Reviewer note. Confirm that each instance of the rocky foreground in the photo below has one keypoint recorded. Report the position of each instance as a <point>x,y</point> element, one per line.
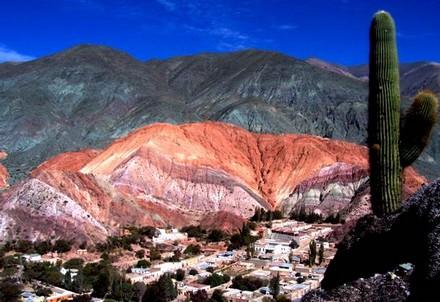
<point>164,175</point>
<point>379,245</point>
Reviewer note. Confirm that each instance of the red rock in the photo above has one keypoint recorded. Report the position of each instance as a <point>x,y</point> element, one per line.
<point>209,173</point>
<point>67,162</point>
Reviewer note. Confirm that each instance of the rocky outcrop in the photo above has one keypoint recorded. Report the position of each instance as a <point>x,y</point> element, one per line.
<point>215,174</point>
<point>379,288</point>
<point>4,175</point>
<point>339,188</point>
<point>378,245</point>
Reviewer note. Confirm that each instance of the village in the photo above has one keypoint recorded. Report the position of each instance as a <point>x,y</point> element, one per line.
<point>285,258</point>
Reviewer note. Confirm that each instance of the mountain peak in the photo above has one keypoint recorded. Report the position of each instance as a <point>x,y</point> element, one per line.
<point>92,53</point>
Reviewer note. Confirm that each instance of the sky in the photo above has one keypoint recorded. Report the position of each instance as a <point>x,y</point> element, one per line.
<point>332,30</point>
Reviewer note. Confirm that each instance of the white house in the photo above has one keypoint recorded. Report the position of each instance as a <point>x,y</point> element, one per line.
<point>73,272</point>
<point>32,257</point>
<point>169,235</point>
<point>140,270</point>
<point>168,267</point>
<point>272,247</point>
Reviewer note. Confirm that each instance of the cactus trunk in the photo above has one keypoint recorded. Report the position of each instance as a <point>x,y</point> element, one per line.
<point>384,116</point>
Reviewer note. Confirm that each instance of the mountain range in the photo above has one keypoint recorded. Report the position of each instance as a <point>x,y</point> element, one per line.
<point>87,96</point>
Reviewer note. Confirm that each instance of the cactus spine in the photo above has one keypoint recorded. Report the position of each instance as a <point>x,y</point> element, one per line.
<point>392,147</point>
<point>384,116</point>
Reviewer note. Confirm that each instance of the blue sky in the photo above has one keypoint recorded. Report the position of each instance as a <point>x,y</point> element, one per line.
<point>333,30</point>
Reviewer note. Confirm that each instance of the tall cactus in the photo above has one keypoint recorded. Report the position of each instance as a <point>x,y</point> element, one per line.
<point>392,147</point>
<point>384,116</point>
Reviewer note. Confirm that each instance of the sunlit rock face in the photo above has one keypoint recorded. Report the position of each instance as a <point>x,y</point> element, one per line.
<point>213,174</point>
<point>328,191</point>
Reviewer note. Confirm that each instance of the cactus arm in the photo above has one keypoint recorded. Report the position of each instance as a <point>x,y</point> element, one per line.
<point>416,127</point>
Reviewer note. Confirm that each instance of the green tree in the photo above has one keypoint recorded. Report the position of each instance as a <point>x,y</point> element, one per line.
<point>217,279</point>
<point>10,290</point>
<point>199,296</point>
<point>43,247</point>
<point>293,244</point>
<point>82,298</point>
<point>321,253</point>
<point>193,272</point>
<point>101,286</point>
<point>161,291</point>
<point>143,263</point>
<point>74,263</point>
<point>193,249</point>
<point>155,254</point>
<point>68,280</point>
<point>180,274</point>
<point>215,235</point>
<point>62,246</point>
<point>248,283</point>
<point>217,296</point>
<point>312,252</point>
<point>274,285</point>
<point>43,291</point>
<point>140,254</point>
<point>282,298</point>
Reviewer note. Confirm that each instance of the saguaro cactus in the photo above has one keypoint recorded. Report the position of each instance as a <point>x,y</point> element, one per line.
<point>384,116</point>
<point>392,147</point>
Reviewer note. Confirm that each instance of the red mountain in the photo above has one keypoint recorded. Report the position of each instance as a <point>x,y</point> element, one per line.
<point>188,174</point>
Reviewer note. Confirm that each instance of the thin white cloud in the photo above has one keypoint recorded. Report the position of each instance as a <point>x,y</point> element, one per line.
<point>225,46</point>
<point>168,4</point>
<point>229,39</point>
<point>10,55</point>
<point>285,27</point>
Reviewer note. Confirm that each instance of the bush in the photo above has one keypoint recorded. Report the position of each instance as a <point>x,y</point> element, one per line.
<point>43,291</point>
<point>194,231</point>
<point>248,283</point>
<point>193,249</point>
<point>216,279</point>
<point>9,290</point>
<point>155,254</point>
<point>210,269</point>
<point>74,263</point>
<point>143,263</point>
<point>62,246</point>
<point>161,291</point>
<point>43,247</point>
<point>82,298</point>
<point>193,272</point>
<point>293,244</point>
<point>24,246</point>
<point>216,236</point>
<point>140,254</point>
<point>217,296</point>
<point>199,296</point>
<point>180,274</point>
